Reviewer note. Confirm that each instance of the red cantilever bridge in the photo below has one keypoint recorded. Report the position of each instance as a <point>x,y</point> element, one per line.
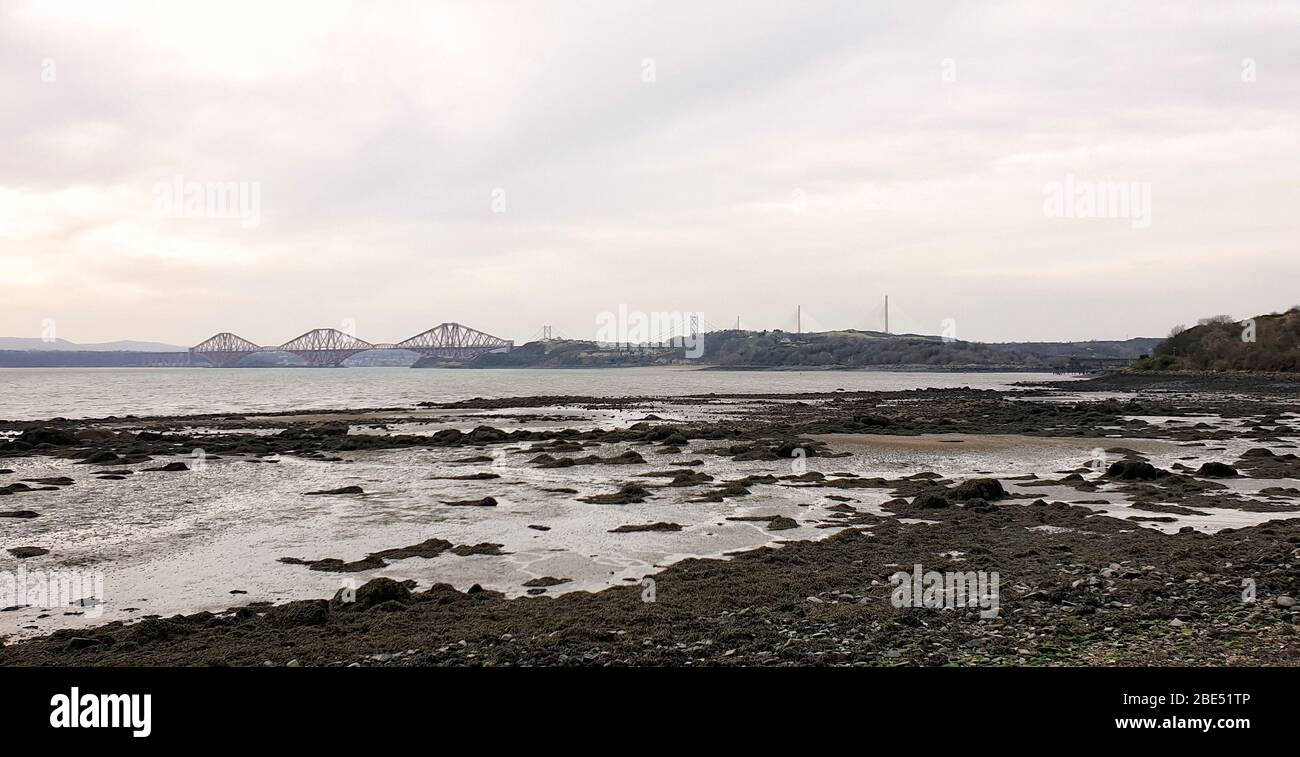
<point>330,347</point>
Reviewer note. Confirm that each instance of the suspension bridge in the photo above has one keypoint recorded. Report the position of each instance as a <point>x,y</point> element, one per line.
<point>328,348</point>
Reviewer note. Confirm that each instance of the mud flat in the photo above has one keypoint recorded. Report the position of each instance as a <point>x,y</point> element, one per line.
<point>1142,523</point>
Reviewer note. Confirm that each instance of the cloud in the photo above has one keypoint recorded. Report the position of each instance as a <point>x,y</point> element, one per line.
<point>820,153</point>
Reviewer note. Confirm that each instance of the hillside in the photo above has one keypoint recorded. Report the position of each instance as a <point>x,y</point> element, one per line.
<point>563,353</point>
<point>778,349</point>
<point>126,345</point>
<point>1128,349</point>
<point>1264,343</point>
<point>854,349</point>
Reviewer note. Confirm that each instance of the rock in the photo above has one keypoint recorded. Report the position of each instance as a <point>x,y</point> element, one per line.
<point>102,457</point>
<point>545,460</point>
<point>335,565</point>
<point>54,481</point>
<point>169,468</point>
<point>95,435</point>
<point>329,428</point>
<point>340,490</point>
<point>930,500</point>
<point>782,523</point>
<point>293,664</point>
<point>547,581</point>
<point>636,528</point>
<point>484,548</point>
<point>1283,600</point>
<point>380,590</point>
<point>427,549</point>
<point>23,553</point>
<point>788,450</point>
<point>1134,470</point>
<point>468,477</point>
<point>483,434</point>
<point>82,642</point>
<point>449,436</point>
<point>484,502</point>
<point>53,436</point>
<point>19,514</point>
<point>774,522</point>
<point>1176,623</point>
<point>321,430</point>
<point>987,489</point>
<point>311,612</point>
<point>1216,470</point>
<point>626,495</point>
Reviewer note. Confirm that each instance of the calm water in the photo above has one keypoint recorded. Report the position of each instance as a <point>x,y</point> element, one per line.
<point>38,393</point>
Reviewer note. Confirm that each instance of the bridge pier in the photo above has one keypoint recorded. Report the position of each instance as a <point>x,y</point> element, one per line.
<point>325,358</point>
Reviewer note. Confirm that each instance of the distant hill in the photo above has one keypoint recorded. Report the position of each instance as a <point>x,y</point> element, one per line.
<point>855,349</point>
<point>830,349</point>
<point>126,345</point>
<point>1264,343</point>
<point>1130,349</point>
<point>563,353</point>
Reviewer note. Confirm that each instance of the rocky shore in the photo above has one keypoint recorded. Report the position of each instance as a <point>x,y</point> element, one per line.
<point>1087,576</point>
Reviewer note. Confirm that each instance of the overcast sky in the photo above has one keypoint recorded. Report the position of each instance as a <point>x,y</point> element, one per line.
<point>511,165</point>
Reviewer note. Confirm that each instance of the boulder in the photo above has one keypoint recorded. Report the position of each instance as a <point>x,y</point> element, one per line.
<point>930,500</point>
<point>52,436</point>
<point>1216,470</point>
<point>1134,470</point>
<point>988,489</point>
<point>379,590</point>
<point>311,612</point>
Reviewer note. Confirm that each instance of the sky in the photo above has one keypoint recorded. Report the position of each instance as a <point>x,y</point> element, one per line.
<point>1003,171</point>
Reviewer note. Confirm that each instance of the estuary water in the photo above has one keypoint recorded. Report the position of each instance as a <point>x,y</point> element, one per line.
<point>40,393</point>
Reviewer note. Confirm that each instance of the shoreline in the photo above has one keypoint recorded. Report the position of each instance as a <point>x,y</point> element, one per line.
<point>1106,583</point>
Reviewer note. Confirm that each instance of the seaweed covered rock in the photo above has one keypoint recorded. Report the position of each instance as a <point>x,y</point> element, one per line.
<point>987,489</point>
<point>1134,470</point>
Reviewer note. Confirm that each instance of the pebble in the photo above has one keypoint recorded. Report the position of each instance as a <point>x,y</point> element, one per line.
<point>1283,600</point>
<point>293,664</point>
